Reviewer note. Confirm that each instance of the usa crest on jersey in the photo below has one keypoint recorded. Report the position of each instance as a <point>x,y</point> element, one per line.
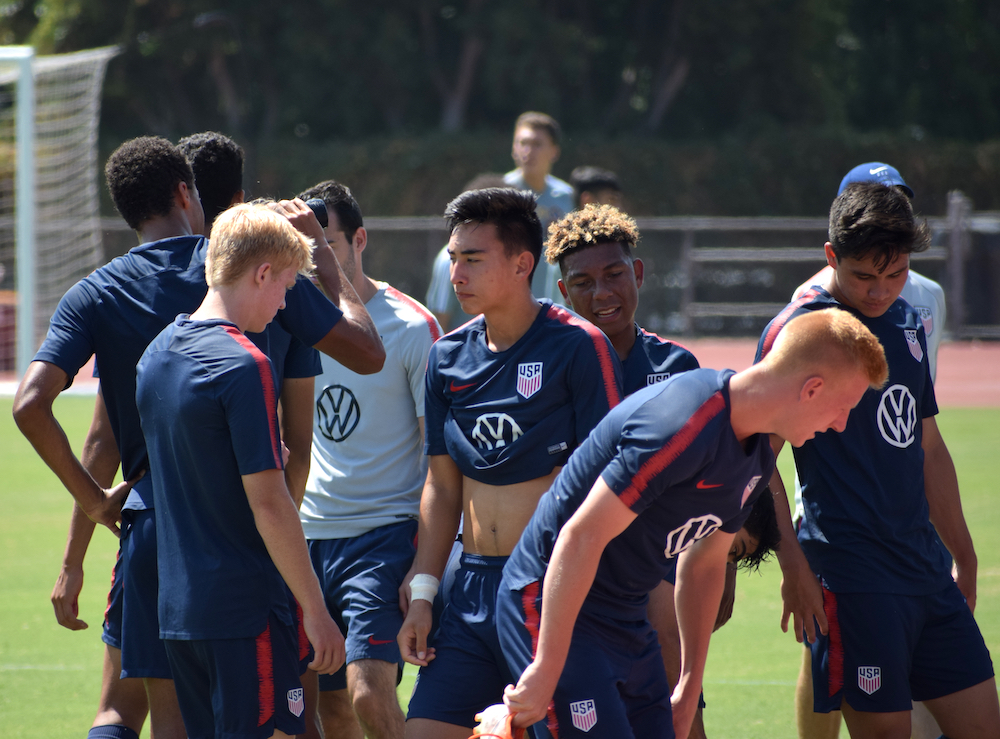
<point>913,343</point>
<point>584,714</point>
<point>529,378</point>
<point>869,679</point>
<point>296,702</point>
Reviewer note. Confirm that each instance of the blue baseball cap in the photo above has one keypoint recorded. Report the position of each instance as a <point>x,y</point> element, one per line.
<point>875,172</point>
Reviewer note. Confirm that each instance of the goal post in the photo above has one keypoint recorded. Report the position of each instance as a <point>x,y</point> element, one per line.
<point>50,232</point>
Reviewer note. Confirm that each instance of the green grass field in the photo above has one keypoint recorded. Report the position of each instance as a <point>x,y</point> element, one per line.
<point>49,677</point>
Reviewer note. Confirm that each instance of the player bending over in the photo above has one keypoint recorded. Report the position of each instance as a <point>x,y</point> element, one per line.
<point>673,471</point>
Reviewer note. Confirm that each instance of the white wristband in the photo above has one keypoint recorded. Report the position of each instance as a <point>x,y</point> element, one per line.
<point>423,587</point>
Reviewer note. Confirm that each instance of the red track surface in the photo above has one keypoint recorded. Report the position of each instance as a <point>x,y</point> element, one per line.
<point>968,371</point>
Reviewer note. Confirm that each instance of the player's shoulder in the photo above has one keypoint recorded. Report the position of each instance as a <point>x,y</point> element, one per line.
<point>812,298</point>
<point>407,311</point>
<point>919,288</point>
<point>657,346</point>
<point>566,326</point>
<point>558,187</point>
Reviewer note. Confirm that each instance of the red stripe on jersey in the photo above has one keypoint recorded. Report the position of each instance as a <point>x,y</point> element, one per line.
<point>600,346</point>
<point>265,677</point>
<point>432,323</point>
<point>673,448</point>
<point>111,590</point>
<point>835,657</point>
<point>644,332</point>
<point>782,318</point>
<point>267,383</point>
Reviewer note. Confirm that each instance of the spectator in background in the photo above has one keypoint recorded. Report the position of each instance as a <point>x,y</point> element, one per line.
<point>535,150</point>
<point>441,293</point>
<point>595,185</point>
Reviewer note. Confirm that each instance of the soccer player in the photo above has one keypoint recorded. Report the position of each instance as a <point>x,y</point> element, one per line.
<point>228,533</point>
<point>923,293</point>
<point>683,463</point>
<point>363,493</point>
<point>595,185</point>
<point>601,280</point>
<point>881,505</point>
<point>113,314</point>
<point>535,150</point>
<point>509,396</point>
<point>927,296</point>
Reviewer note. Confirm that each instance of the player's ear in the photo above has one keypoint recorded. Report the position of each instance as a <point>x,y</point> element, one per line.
<point>262,272</point>
<point>563,290</point>
<point>831,258</point>
<point>238,197</point>
<point>525,261</point>
<point>639,269</point>
<point>811,387</point>
<point>360,239</point>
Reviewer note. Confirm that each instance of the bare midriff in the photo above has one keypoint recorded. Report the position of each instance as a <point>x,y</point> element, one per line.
<point>495,515</point>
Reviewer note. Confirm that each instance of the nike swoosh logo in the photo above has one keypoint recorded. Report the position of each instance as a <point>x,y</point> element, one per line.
<point>702,485</point>
<point>456,388</point>
<point>877,170</point>
<point>378,642</point>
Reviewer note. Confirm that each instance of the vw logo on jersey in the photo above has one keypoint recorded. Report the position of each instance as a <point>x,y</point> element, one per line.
<point>495,431</point>
<point>687,534</point>
<point>927,318</point>
<point>897,416</point>
<point>911,341</point>
<point>337,412</point>
<point>529,378</point>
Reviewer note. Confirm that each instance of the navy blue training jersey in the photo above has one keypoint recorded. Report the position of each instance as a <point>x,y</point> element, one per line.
<point>669,453</point>
<point>289,356</point>
<point>208,404</point>
<point>510,416</point>
<point>866,526</point>
<point>118,309</point>
<point>653,359</point>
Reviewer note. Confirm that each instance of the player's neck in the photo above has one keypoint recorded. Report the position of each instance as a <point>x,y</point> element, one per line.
<point>218,305</point>
<point>169,226</point>
<point>751,402</point>
<point>507,324</point>
<point>624,341</point>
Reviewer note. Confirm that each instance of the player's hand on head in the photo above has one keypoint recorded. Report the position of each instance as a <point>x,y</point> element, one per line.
<point>529,700</point>
<point>412,637</point>
<point>302,218</point>
<point>802,598</point>
<point>327,641</point>
<point>66,598</point>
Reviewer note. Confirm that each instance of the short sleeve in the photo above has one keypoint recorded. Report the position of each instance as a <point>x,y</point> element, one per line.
<point>249,399</point>
<point>302,360</point>
<point>308,314</point>
<point>596,375</point>
<point>69,343</point>
<point>435,407</point>
<point>416,352</point>
<point>440,289</point>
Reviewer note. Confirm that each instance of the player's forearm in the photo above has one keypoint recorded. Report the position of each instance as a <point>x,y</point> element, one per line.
<point>440,513</point>
<point>34,417</point>
<point>354,341</point>
<point>945,504</point>
<point>790,556</point>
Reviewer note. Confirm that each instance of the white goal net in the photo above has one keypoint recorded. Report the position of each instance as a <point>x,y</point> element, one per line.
<point>66,218</point>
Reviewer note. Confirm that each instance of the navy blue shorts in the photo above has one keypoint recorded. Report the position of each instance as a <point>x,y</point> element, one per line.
<point>240,688</point>
<point>884,651</point>
<point>469,671</point>
<point>143,654</point>
<point>613,684</point>
<point>360,579</point>
<point>112,635</point>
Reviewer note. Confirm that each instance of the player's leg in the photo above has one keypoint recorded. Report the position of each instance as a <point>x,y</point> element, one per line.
<point>122,706</point>
<point>922,723</point>
<point>372,686</point>
<point>871,725</point>
<point>952,670</point>
<point>310,691</point>
<point>812,725</point>
<point>337,715</point>
<point>973,712</point>
<point>165,721</point>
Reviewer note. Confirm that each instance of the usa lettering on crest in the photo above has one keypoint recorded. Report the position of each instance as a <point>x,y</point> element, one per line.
<point>529,378</point>
<point>584,714</point>
<point>296,703</point>
<point>911,341</point>
<point>748,490</point>
<point>927,318</point>
<point>869,679</point>
<point>653,378</point>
